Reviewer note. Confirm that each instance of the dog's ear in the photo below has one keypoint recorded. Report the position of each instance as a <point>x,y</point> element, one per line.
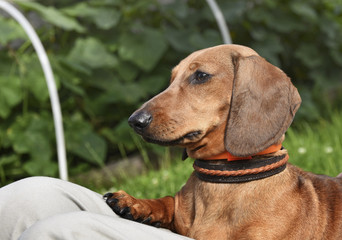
<point>263,105</point>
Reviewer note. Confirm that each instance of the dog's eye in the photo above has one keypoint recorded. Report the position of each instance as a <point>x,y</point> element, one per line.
<point>200,77</point>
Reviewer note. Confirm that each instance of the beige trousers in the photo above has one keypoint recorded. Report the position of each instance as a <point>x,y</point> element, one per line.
<point>47,208</point>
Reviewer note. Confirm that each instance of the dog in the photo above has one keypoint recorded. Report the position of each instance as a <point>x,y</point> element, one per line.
<point>230,108</point>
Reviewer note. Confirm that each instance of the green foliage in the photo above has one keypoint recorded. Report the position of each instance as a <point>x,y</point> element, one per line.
<point>109,56</point>
<point>54,16</point>
<point>12,29</point>
<point>10,94</point>
<point>89,54</point>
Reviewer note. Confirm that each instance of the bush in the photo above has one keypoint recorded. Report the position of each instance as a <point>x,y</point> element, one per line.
<point>109,56</point>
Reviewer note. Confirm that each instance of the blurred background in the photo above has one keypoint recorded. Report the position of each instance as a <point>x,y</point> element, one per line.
<point>109,56</point>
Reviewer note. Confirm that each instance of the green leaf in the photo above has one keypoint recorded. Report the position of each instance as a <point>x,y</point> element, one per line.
<point>143,48</point>
<point>104,18</point>
<point>208,38</point>
<point>82,141</point>
<point>121,134</point>
<point>337,56</point>
<point>275,19</point>
<point>31,134</point>
<point>10,30</point>
<point>308,109</point>
<point>127,70</point>
<point>179,8</point>
<point>8,159</point>
<point>41,167</point>
<point>120,94</point>
<point>53,16</point>
<point>10,167</point>
<point>233,10</point>
<point>273,49</point>
<point>304,10</point>
<point>260,15</point>
<point>10,94</point>
<point>129,93</point>
<point>179,39</point>
<point>155,83</point>
<point>33,77</point>
<point>309,55</point>
<point>90,53</point>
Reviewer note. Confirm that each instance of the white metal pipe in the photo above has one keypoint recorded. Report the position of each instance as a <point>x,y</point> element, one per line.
<point>220,21</point>
<point>55,104</point>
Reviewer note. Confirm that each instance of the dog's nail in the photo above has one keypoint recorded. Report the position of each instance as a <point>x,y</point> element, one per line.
<point>147,220</point>
<point>139,220</point>
<point>116,209</point>
<point>156,224</point>
<point>128,216</point>
<point>124,211</point>
<point>107,195</point>
<point>112,201</point>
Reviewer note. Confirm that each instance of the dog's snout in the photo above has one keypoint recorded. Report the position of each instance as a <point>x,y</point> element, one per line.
<point>140,120</point>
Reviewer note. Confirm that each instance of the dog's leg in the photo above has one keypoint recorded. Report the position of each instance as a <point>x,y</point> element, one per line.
<point>155,212</point>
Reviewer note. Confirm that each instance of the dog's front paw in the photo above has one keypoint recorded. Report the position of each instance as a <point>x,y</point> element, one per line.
<point>131,208</point>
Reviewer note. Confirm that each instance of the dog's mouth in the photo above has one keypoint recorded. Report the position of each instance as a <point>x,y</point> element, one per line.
<point>187,138</point>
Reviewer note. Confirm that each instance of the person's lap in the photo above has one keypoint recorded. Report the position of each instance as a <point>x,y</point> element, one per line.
<point>48,208</point>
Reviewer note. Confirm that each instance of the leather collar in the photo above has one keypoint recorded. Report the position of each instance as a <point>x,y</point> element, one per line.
<point>226,155</point>
<point>223,171</point>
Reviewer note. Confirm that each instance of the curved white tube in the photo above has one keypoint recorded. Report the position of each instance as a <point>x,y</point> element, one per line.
<point>44,61</point>
<point>220,21</point>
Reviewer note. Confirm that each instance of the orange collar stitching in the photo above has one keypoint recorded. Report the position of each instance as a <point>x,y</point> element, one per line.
<point>230,157</point>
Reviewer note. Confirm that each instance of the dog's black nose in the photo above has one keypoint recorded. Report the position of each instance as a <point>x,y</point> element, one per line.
<point>140,120</point>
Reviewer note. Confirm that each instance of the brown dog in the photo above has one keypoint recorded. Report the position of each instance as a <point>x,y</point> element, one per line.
<point>223,102</point>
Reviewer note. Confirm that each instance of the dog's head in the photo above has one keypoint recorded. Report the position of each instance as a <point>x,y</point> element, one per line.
<point>221,98</point>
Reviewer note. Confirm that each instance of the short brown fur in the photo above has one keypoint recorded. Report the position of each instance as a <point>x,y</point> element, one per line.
<point>246,106</point>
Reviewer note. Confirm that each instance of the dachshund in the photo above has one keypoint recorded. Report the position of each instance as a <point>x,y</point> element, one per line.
<point>230,108</point>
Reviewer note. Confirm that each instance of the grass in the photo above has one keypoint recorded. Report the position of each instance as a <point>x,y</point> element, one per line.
<point>317,148</point>
<point>313,147</point>
<point>155,184</point>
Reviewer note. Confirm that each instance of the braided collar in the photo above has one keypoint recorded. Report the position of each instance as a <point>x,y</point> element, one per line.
<point>223,171</point>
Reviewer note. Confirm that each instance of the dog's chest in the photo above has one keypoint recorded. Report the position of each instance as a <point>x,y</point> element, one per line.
<point>254,210</point>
